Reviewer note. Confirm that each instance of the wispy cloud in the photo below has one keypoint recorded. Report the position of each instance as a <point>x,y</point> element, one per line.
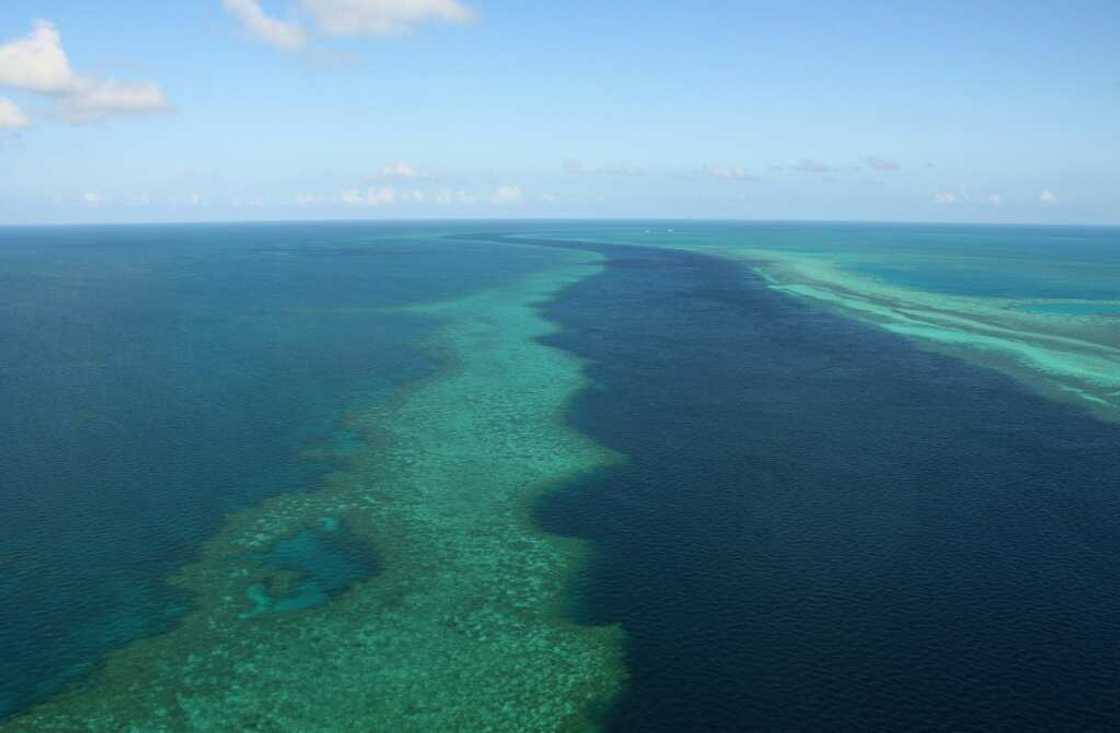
<point>945,198</point>
<point>401,171</point>
<point>1048,198</point>
<point>377,196</point>
<point>38,63</point>
<point>881,164</point>
<point>383,17</point>
<point>97,99</point>
<point>285,35</point>
<point>507,196</point>
<point>11,116</point>
<point>345,18</point>
<point>448,197</point>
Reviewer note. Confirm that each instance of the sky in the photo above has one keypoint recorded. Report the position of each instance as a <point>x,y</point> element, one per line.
<point>994,111</point>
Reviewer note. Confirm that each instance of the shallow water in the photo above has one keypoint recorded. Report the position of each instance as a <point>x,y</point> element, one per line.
<point>1074,309</point>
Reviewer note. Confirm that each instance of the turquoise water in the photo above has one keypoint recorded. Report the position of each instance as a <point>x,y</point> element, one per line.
<point>1029,277</point>
<point>1074,309</point>
<point>323,562</point>
<point>157,378</point>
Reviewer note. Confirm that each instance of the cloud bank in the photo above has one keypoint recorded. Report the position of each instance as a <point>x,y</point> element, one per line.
<point>38,63</point>
<point>392,196</point>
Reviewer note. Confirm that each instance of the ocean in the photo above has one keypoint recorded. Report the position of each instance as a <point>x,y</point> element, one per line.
<point>558,475</point>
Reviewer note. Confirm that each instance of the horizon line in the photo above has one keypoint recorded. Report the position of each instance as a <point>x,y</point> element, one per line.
<point>550,219</point>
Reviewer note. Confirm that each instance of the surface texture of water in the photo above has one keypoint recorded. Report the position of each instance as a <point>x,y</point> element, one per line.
<point>814,524</point>
<point>822,527</point>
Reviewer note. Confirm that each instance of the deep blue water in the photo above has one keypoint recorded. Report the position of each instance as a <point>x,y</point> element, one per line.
<point>154,379</point>
<point>822,527</point>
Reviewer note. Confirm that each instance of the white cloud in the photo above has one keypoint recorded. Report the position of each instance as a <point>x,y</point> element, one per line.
<point>1047,197</point>
<point>506,195</point>
<point>11,116</point>
<point>401,171</point>
<point>93,200</point>
<point>38,63</point>
<point>382,17</point>
<point>995,199</point>
<point>448,197</point>
<point>308,199</point>
<point>278,33</point>
<point>383,196</point>
<point>960,196</point>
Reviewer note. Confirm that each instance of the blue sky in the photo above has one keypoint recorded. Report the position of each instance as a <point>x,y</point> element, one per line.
<point>132,110</point>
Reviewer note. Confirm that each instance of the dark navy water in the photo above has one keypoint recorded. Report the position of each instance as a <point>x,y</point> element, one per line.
<point>821,527</point>
<point>155,379</point>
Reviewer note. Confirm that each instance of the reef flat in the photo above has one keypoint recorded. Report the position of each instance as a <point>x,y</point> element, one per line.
<point>1059,347</point>
<point>462,627</point>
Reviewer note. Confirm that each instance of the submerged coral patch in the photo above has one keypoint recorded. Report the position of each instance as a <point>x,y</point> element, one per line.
<point>308,568</point>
